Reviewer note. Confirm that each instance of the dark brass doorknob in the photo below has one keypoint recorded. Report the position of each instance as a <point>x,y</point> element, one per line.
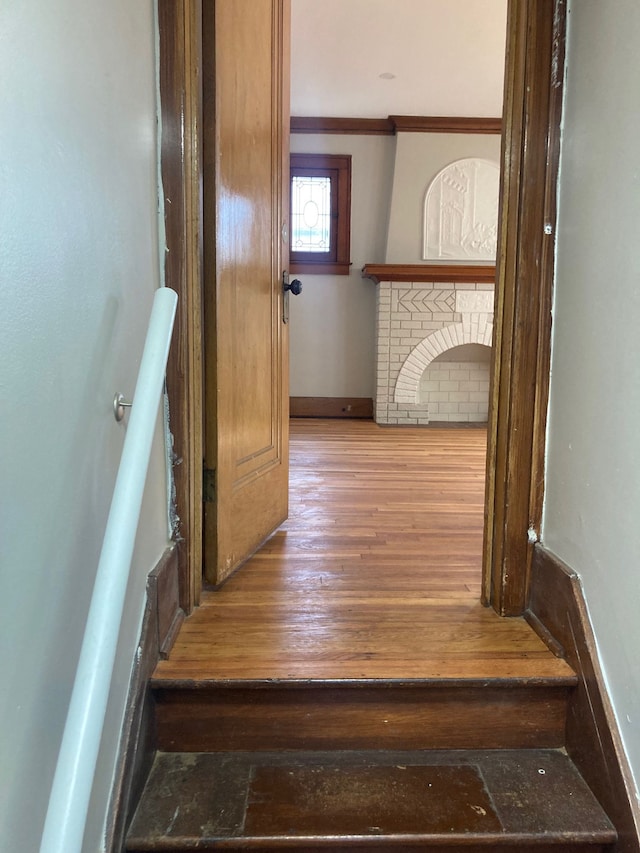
<point>294,286</point>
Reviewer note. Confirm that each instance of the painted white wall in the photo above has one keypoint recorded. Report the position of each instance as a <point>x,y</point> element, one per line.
<point>419,158</point>
<point>78,269</point>
<point>332,322</point>
<point>592,500</point>
<point>446,57</point>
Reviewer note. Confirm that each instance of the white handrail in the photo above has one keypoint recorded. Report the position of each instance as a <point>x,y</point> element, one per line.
<point>69,798</point>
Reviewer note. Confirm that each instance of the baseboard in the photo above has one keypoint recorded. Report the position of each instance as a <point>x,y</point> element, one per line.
<point>593,739</point>
<point>331,407</point>
<point>161,621</point>
<point>163,588</point>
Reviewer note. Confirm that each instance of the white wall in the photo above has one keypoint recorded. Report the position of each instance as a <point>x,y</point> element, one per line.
<point>78,269</point>
<point>592,501</point>
<point>332,331</point>
<point>419,158</point>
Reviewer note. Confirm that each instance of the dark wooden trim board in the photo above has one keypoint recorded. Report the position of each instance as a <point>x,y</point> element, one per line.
<point>346,126</point>
<point>525,268</point>
<point>395,124</point>
<point>331,407</point>
<point>138,737</point>
<point>593,740</point>
<point>446,124</point>
<point>181,108</point>
<point>483,273</point>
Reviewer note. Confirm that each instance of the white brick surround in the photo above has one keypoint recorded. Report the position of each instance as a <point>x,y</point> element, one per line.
<point>416,323</point>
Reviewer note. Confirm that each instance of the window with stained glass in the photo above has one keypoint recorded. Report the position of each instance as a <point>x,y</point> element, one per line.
<point>320,213</point>
<point>310,214</point>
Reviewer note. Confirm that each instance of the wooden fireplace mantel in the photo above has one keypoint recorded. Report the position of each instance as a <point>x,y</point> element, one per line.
<point>480,273</point>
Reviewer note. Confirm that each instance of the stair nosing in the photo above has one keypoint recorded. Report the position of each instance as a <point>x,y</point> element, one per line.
<point>161,682</point>
<point>608,836</point>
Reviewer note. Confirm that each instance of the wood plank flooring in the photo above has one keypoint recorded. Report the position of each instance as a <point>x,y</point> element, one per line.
<point>376,574</point>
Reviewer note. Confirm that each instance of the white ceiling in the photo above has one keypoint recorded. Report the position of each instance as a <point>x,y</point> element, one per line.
<point>447,57</point>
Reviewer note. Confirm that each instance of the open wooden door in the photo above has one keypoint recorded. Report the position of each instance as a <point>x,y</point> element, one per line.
<point>245,166</point>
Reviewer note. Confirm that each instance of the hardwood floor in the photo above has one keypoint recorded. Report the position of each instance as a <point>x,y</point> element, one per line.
<point>376,574</point>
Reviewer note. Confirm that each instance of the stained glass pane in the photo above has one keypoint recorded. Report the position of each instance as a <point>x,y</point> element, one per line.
<point>310,214</point>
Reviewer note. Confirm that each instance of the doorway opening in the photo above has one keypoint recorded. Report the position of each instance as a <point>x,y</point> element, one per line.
<point>532,109</point>
<point>342,327</point>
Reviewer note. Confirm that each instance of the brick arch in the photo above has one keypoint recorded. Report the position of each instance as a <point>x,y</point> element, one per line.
<point>408,383</point>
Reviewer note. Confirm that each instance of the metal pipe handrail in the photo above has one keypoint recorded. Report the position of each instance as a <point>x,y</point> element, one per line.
<point>69,799</point>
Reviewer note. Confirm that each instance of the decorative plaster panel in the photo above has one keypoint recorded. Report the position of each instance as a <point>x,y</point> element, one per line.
<point>461,212</point>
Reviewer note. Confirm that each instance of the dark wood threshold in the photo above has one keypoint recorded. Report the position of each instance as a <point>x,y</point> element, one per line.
<point>593,739</point>
<point>395,124</point>
<point>160,626</point>
<point>331,407</point>
<point>479,273</point>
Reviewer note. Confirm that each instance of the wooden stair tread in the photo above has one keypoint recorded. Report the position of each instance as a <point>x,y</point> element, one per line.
<point>336,637</point>
<point>476,799</point>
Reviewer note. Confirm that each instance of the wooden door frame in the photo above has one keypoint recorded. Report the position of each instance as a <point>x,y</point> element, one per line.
<point>180,71</point>
<point>522,337</point>
<point>534,75</point>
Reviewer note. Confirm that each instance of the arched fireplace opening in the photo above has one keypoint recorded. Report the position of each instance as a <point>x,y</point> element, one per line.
<point>455,385</point>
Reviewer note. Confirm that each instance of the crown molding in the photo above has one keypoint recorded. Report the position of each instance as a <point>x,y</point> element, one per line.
<point>360,126</point>
<point>395,124</point>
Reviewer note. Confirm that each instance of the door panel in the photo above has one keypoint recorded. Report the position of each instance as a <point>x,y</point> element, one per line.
<point>245,149</point>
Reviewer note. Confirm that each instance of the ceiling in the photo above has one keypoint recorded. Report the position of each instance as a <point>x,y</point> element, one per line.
<point>374,58</point>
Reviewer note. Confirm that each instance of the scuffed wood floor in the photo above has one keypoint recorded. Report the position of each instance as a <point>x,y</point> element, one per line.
<point>376,574</point>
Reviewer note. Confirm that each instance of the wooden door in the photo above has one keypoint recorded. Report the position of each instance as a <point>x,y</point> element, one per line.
<point>245,165</point>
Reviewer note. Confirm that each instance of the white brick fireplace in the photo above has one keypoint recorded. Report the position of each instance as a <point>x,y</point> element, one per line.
<point>433,340</point>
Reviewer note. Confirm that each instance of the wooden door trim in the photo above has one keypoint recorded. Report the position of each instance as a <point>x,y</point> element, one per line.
<point>520,374</point>
<point>179,23</point>
<point>525,269</point>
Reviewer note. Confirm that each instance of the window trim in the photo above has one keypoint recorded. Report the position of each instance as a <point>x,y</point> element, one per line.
<point>338,167</point>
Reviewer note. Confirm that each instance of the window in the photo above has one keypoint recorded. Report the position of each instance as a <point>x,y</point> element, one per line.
<point>320,213</point>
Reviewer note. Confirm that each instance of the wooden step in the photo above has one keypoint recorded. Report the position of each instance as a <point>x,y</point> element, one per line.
<point>524,800</point>
<point>341,714</point>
